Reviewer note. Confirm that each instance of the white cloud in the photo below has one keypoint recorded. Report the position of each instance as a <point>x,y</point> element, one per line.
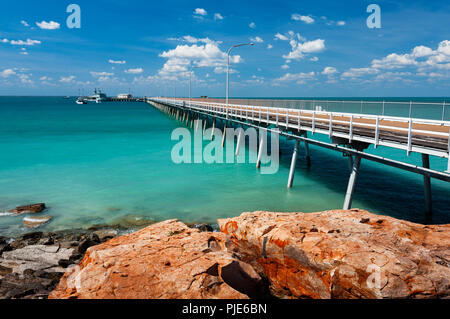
<point>27,42</point>
<point>329,70</point>
<point>299,49</point>
<point>134,71</point>
<point>269,46</point>
<point>67,79</point>
<point>358,72</point>
<point>340,23</point>
<point>218,16</point>
<point>421,58</point>
<point>25,79</point>
<point>7,72</point>
<point>285,66</point>
<point>52,25</point>
<point>300,78</point>
<point>200,11</point>
<point>252,25</point>
<point>24,23</point>
<point>256,39</point>
<point>4,40</point>
<point>306,19</point>
<point>97,74</point>
<point>116,62</point>
<point>281,37</point>
<point>183,56</point>
<point>314,59</point>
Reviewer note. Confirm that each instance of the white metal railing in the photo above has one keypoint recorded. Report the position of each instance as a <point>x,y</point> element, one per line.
<point>430,110</point>
<point>403,130</point>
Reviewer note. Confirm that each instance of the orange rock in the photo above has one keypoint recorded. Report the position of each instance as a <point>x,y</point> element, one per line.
<point>164,260</point>
<point>343,254</point>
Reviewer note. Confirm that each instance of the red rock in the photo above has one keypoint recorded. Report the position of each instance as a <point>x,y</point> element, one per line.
<point>164,260</point>
<point>32,208</point>
<point>343,254</point>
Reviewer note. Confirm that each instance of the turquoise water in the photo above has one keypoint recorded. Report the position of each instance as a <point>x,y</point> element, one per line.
<point>96,163</point>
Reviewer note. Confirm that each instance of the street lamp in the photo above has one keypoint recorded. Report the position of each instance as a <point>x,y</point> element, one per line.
<point>190,76</point>
<point>228,69</point>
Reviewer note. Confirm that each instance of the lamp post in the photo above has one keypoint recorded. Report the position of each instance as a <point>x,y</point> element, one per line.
<point>190,76</point>
<point>228,69</point>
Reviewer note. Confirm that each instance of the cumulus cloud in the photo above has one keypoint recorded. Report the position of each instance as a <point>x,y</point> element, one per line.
<point>256,39</point>
<point>52,25</point>
<point>329,70</point>
<point>340,23</point>
<point>116,62</point>
<point>97,74</point>
<point>269,46</point>
<point>299,49</point>
<point>200,11</point>
<point>134,71</point>
<point>7,73</point>
<point>281,37</point>
<point>314,59</point>
<point>252,25</point>
<point>218,16</point>
<point>426,61</point>
<point>300,78</point>
<point>67,79</point>
<point>299,17</point>
<point>28,42</point>
<point>191,39</point>
<point>24,23</point>
<point>183,56</point>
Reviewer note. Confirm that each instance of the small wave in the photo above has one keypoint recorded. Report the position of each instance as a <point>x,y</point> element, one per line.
<point>6,214</point>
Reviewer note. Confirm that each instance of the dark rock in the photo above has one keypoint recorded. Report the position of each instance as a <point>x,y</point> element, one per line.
<point>65,263</point>
<point>364,220</point>
<point>33,236</point>
<point>85,244</point>
<point>5,270</point>
<point>46,241</point>
<point>3,240</point>
<point>32,208</point>
<point>75,256</point>
<point>5,247</point>
<point>205,227</point>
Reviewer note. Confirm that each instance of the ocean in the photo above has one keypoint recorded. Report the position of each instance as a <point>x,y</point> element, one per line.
<point>111,162</point>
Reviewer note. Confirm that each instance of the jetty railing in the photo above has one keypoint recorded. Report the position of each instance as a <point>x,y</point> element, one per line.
<point>410,134</point>
<point>415,109</point>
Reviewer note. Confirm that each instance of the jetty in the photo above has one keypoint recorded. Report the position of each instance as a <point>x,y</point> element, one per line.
<point>350,133</point>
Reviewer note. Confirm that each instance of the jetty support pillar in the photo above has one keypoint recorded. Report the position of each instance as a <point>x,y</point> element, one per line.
<point>351,182</point>
<point>293,162</point>
<point>427,186</point>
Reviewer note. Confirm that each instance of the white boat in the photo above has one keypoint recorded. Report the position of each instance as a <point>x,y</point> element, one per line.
<point>97,97</point>
<point>80,101</point>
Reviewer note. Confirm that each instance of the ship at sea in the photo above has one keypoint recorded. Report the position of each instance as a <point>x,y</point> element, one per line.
<point>97,97</point>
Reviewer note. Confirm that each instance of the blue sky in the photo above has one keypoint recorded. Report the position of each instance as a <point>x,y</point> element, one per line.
<point>302,48</point>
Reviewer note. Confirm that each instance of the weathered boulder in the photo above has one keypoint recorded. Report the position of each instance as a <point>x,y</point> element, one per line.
<point>32,208</point>
<point>164,260</point>
<point>35,257</point>
<point>343,254</point>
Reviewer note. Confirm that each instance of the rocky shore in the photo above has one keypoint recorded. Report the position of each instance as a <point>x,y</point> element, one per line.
<point>32,265</point>
<point>331,254</point>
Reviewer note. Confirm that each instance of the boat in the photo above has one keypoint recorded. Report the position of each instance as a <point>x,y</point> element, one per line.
<point>97,97</point>
<point>80,101</point>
